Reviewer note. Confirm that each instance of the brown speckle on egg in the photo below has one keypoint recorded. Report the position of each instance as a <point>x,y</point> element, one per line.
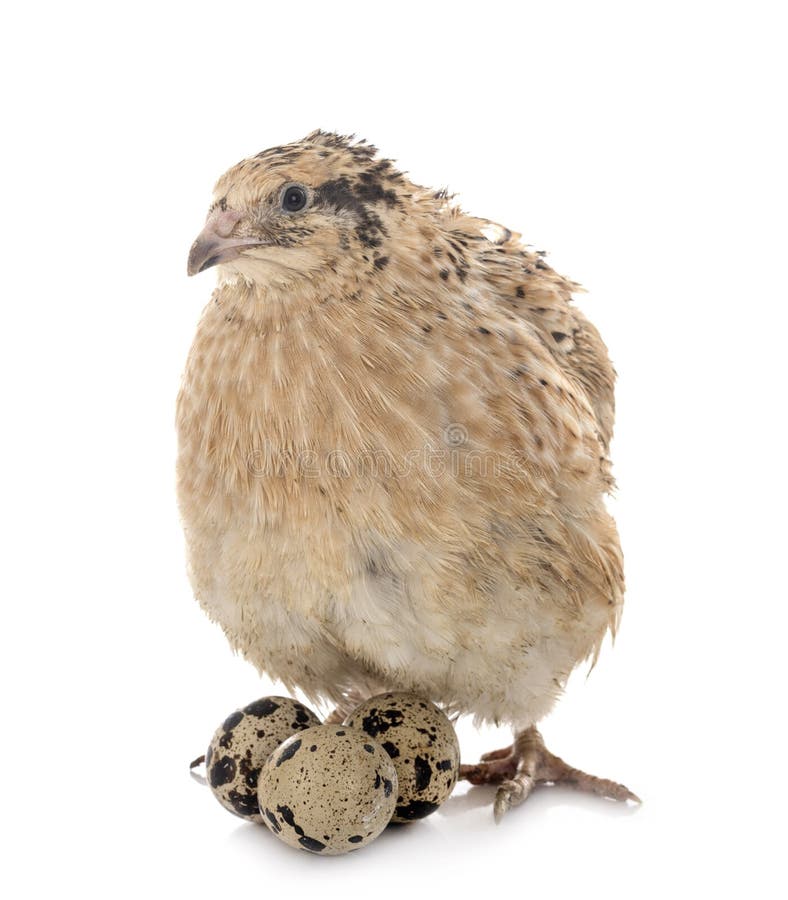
<point>422,744</point>
<point>242,745</point>
<point>328,790</point>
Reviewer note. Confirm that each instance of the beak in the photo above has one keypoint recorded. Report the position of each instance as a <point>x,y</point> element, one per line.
<point>215,243</point>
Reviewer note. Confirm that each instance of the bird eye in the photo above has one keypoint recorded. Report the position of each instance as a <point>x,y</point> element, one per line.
<point>294,198</point>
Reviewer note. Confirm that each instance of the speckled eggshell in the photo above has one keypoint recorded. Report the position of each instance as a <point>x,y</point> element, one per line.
<point>421,742</point>
<point>329,790</point>
<point>242,744</point>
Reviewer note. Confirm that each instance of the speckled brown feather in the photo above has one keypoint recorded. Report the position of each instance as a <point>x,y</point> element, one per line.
<point>393,438</point>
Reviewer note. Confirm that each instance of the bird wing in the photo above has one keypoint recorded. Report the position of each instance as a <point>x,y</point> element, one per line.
<point>526,287</point>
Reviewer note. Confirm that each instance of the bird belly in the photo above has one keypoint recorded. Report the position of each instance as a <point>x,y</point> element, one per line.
<point>501,657</point>
<point>333,613</point>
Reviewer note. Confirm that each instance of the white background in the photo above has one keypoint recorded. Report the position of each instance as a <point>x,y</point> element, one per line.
<point>643,145</point>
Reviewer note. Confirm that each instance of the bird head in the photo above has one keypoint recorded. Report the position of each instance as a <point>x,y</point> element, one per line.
<point>304,211</point>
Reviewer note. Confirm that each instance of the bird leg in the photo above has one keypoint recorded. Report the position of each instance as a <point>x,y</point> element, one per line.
<point>517,769</point>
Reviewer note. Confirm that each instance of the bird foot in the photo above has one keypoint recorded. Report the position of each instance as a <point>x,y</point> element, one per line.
<point>519,768</point>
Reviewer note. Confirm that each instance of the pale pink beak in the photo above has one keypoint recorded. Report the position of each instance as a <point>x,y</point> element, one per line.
<point>215,243</point>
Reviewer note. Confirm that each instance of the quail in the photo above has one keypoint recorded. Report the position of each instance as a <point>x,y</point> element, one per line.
<point>393,451</point>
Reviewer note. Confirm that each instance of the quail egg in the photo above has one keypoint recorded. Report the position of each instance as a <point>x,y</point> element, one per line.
<point>422,744</point>
<point>330,790</point>
<point>243,743</point>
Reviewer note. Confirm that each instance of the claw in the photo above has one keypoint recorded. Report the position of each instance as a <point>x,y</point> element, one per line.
<point>619,792</point>
<point>501,805</point>
<point>511,793</point>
